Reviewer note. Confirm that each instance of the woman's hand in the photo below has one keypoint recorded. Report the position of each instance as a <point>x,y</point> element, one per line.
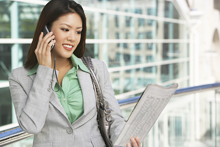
<point>135,142</point>
<point>43,49</point>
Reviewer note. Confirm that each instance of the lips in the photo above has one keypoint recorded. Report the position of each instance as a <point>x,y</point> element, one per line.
<point>68,47</point>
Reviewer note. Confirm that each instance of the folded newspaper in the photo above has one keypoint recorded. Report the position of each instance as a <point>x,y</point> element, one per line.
<point>147,110</point>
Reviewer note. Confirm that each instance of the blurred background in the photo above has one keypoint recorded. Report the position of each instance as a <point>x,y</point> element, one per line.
<point>141,42</point>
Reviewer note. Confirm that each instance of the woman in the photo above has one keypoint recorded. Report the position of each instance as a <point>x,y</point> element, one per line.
<point>62,113</point>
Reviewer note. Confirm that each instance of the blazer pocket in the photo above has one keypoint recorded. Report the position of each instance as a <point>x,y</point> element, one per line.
<point>45,144</point>
<point>98,142</point>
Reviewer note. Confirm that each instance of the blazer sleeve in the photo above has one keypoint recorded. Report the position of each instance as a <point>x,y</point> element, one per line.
<point>108,94</point>
<point>31,108</point>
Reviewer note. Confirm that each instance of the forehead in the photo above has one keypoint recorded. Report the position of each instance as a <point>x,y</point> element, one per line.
<point>72,19</point>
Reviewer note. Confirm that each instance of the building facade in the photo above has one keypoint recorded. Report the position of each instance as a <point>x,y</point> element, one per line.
<point>140,41</point>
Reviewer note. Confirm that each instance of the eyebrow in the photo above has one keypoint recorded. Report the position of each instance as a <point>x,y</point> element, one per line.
<point>69,25</point>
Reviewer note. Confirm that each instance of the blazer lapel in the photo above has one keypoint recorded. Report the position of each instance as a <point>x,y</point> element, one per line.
<point>89,101</point>
<point>32,77</point>
<point>53,99</point>
<point>56,103</point>
<point>88,98</point>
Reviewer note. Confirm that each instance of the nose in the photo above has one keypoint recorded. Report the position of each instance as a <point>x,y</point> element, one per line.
<point>71,37</point>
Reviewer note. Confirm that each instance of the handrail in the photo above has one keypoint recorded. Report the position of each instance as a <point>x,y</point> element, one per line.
<point>179,92</point>
<point>15,133</point>
<point>11,134</point>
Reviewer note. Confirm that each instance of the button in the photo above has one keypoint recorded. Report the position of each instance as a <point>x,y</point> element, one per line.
<point>64,99</point>
<point>50,86</point>
<point>69,130</point>
<point>51,81</point>
<point>49,89</point>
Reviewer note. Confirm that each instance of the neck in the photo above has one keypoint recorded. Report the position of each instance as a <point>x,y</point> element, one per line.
<point>61,63</point>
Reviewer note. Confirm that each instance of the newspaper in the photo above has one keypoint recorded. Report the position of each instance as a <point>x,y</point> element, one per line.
<point>146,112</point>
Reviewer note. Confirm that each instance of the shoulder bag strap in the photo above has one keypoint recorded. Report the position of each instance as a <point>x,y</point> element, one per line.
<point>87,61</point>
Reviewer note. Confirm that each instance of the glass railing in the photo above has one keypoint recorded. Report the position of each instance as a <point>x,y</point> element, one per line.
<point>189,120</point>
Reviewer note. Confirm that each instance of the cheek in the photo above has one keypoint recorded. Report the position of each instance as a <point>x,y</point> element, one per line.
<point>58,38</point>
<point>79,38</point>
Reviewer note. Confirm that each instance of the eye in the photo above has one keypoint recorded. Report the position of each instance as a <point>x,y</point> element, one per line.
<point>79,32</point>
<point>66,30</point>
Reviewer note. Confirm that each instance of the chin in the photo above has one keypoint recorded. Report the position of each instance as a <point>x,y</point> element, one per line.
<point>63,53</point>
<point>67,55</point>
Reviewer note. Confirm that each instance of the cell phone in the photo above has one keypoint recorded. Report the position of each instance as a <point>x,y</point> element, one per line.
<point>45,31</point>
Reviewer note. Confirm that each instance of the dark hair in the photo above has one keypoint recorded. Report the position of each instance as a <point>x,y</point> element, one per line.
<point>50,13</point>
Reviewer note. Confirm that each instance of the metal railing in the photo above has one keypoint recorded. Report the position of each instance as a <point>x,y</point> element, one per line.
<point>13,133</point>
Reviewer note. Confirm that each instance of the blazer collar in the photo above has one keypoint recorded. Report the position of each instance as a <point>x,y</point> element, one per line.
<point>77,63</point>
<point>89,100</point>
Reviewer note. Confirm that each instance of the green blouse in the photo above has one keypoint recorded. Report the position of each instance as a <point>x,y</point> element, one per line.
<point>70,94</point>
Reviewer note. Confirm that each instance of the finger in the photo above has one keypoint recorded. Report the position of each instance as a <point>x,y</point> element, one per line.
<point>133,141</point>
<point>49,42</point>
<point>38,45</point>
<point>46,41</point>
<point>45,38</point>
<point>138,141</point>
<point>39,40</point>
<point>128,145</point>
<point>47,35</point>
<point>49,46</point>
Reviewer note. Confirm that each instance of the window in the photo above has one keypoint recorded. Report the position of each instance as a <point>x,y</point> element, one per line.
<point>141,22</point>
<point>149,58</point>
<point>137,46</point>
<point>149,35</point>
<point>150,22</point>
<point>127,57</point>
<point>117,58</point>
<point>128,21</point>
<point>151,11</point>
<point>127,35</point>
<point>148,69</point>
<point>128,84</point>
<point>149,46</point>
<point>141,36</point>
<point>164,69</point>
<point>125,45</point>
<point>137,69</point>
<point>128,71</point>
<point>144,81</point>
<point>116,81</point>
<point>116,21</point>
<point>117,37</point>
<point>138,59</point>
<point>138,11</point>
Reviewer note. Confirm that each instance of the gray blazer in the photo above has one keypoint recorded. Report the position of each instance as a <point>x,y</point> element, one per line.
<point>39,111</point>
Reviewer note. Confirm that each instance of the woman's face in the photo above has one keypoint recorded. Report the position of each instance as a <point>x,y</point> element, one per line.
<point>67,31</point>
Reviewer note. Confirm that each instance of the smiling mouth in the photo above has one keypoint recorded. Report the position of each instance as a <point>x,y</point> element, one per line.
<point>68,47</point>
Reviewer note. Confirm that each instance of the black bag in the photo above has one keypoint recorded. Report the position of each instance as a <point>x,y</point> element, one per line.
<point>104,118</point>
